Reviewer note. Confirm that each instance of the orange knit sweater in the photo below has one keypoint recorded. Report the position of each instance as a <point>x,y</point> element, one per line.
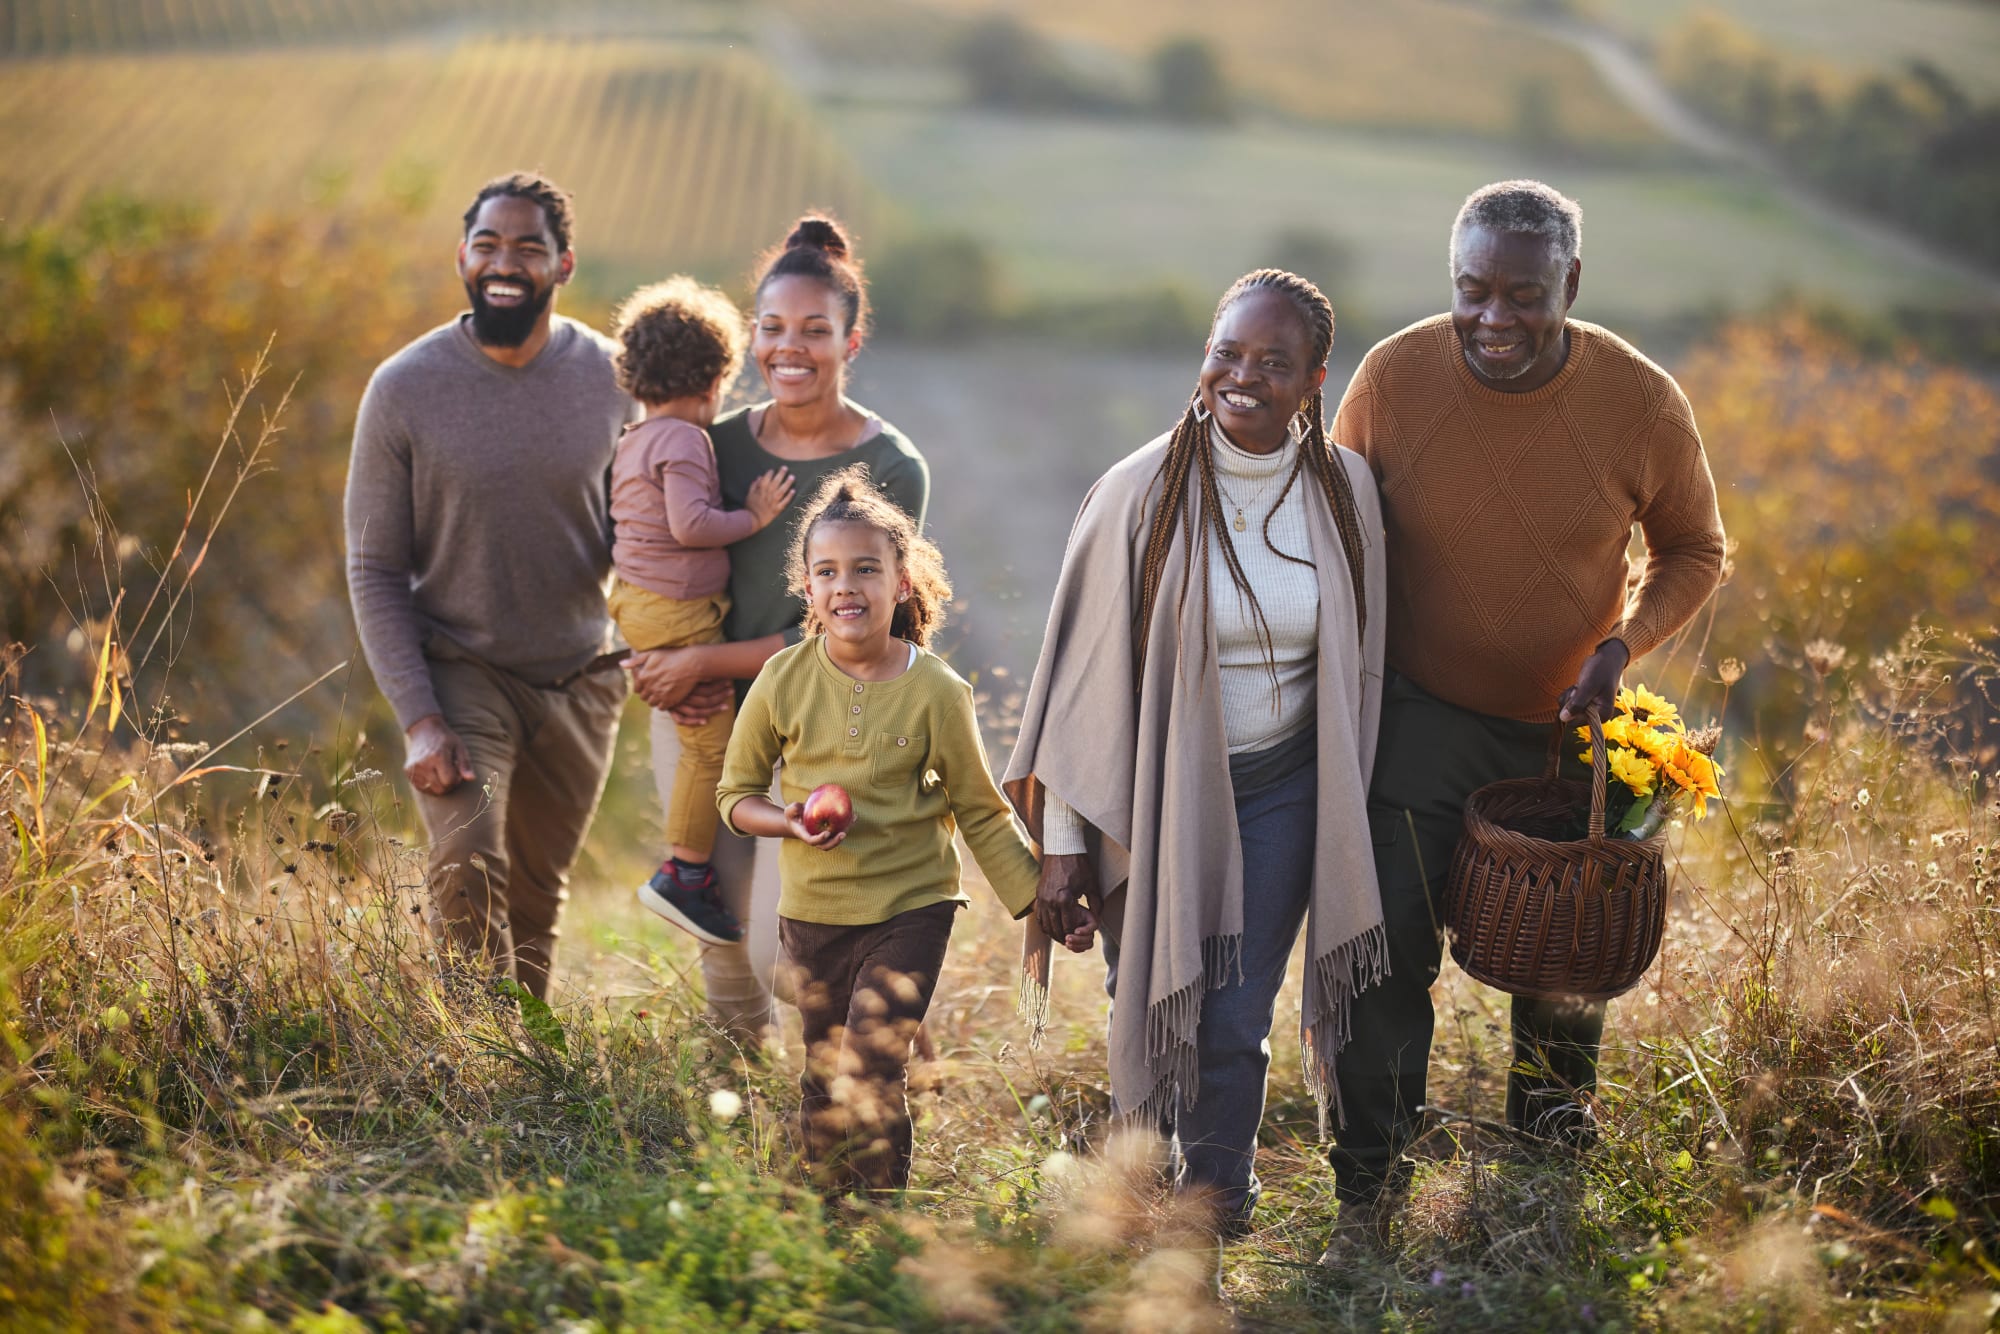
<point>1509,515</point>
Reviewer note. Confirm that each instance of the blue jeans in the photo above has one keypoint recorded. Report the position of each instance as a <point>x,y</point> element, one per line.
<point>1213,1142</point>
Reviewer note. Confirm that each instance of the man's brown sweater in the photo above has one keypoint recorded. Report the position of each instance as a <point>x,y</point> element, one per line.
<point>1509,516</point>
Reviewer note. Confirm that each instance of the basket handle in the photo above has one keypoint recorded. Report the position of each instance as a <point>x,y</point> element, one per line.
<point>1597,768</point>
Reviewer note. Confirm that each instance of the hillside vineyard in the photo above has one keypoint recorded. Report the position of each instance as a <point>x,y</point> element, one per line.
<point>656,140</point>
<point>51,27</point>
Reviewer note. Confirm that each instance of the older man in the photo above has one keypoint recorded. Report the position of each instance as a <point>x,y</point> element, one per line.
<point>1515,448</point>
<point>478,544</point>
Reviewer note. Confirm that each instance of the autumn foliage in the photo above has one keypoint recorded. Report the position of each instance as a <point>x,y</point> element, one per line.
<point>119,338</point>
<point>1859,494</point>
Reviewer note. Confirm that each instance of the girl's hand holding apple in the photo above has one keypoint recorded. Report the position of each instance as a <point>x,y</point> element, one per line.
<point>823,818</point>
<point>797,827</point>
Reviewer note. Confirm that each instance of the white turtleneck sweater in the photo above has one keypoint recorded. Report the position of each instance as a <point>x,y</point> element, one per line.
<point>1255,716</point>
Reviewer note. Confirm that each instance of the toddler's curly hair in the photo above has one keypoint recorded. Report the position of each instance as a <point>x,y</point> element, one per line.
<point>849,497</point>
<point>678,339</point>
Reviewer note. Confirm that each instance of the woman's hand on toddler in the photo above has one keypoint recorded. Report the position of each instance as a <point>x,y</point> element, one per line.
<point>769,495</point>
<point>664,677</point>
<point>702,703</point>
<point>795,827</point>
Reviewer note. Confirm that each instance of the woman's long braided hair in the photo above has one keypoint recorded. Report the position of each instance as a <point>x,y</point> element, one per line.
<point>1188,453</point>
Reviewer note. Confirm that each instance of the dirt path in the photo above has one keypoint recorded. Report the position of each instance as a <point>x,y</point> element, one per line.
<point>1634,80</point>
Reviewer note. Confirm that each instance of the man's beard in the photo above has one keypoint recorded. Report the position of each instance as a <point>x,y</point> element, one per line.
<point>506,326</point>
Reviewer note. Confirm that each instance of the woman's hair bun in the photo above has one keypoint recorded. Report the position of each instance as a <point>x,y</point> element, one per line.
<point>818,233</point>
<point>818,249</point>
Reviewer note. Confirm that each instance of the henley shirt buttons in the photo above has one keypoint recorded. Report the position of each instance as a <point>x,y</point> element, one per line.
<point>902,741</point>
<point>857,708</point>
<point>857,688</point>
<point>854,731</point>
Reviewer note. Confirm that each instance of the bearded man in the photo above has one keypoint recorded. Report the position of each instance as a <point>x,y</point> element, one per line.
<point>1515,449</point>
<point>478,545</point>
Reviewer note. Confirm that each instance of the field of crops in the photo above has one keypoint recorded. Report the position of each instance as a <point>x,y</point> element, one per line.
<point>55,27</point>
<point>1405,64</point>
<point>677,155</point>
<point>1422,64</point>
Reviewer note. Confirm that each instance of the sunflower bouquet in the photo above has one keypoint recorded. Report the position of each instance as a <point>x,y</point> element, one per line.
<point>1654,764</point>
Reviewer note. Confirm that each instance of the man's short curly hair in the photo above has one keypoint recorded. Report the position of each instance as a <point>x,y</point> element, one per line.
<point>678,339</point>
<point>558,209</point>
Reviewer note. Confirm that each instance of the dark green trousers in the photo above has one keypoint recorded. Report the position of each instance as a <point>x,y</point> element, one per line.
<point>1431,757</point>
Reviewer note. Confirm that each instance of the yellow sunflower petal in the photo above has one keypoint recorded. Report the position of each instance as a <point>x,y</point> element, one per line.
<point>1634,772</point>
<point>1653,744</point>
<point>1659,711</point>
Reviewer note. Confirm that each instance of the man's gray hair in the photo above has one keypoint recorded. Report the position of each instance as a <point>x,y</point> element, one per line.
<point>1524,207</point>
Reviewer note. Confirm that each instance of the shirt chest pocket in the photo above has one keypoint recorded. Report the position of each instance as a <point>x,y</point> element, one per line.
<point>899,757</point>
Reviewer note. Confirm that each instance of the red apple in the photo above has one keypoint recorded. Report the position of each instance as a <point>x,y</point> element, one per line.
<point>829,807</point>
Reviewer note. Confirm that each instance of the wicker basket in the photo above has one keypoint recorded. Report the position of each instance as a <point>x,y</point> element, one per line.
<point>1540,916</point>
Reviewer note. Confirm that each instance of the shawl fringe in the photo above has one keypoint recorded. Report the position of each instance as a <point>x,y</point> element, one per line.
<point>1331,985</point>
<point>1171,1026</point>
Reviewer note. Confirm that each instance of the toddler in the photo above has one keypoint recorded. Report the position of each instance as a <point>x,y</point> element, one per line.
<point>681,346</point>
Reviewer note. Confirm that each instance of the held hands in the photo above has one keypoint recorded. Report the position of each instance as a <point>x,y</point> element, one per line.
<point>437,760</point>
<point>1597,681</point>
<point>769,495</point>
<point>1060,910</point>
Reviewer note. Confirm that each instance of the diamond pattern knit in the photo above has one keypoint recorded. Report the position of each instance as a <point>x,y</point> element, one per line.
<point>1509,516</point>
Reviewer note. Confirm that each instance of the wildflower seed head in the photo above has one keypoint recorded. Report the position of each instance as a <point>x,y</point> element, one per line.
<point>1824,656</point>
<point>1730,670</point>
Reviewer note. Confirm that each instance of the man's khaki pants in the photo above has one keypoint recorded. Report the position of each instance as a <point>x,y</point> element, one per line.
<point>502,845</point>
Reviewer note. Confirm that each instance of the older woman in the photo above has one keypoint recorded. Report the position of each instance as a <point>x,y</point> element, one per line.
<point>1199,734</point>
<point>810,319</point>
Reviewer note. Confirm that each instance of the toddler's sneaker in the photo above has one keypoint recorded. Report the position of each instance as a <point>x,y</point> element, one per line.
<point>691,904</point>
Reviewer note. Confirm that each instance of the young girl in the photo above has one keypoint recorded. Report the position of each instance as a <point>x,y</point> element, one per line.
<point>682,344</point>
<point>864,912</point>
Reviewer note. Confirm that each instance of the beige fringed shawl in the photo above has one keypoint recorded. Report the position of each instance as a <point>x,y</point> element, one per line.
<point>1150,773</point>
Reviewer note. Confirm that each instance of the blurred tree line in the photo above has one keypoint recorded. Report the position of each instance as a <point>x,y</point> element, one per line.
<point>927,283</point>
<point>1010,65</point>
<point>1913,146</point>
